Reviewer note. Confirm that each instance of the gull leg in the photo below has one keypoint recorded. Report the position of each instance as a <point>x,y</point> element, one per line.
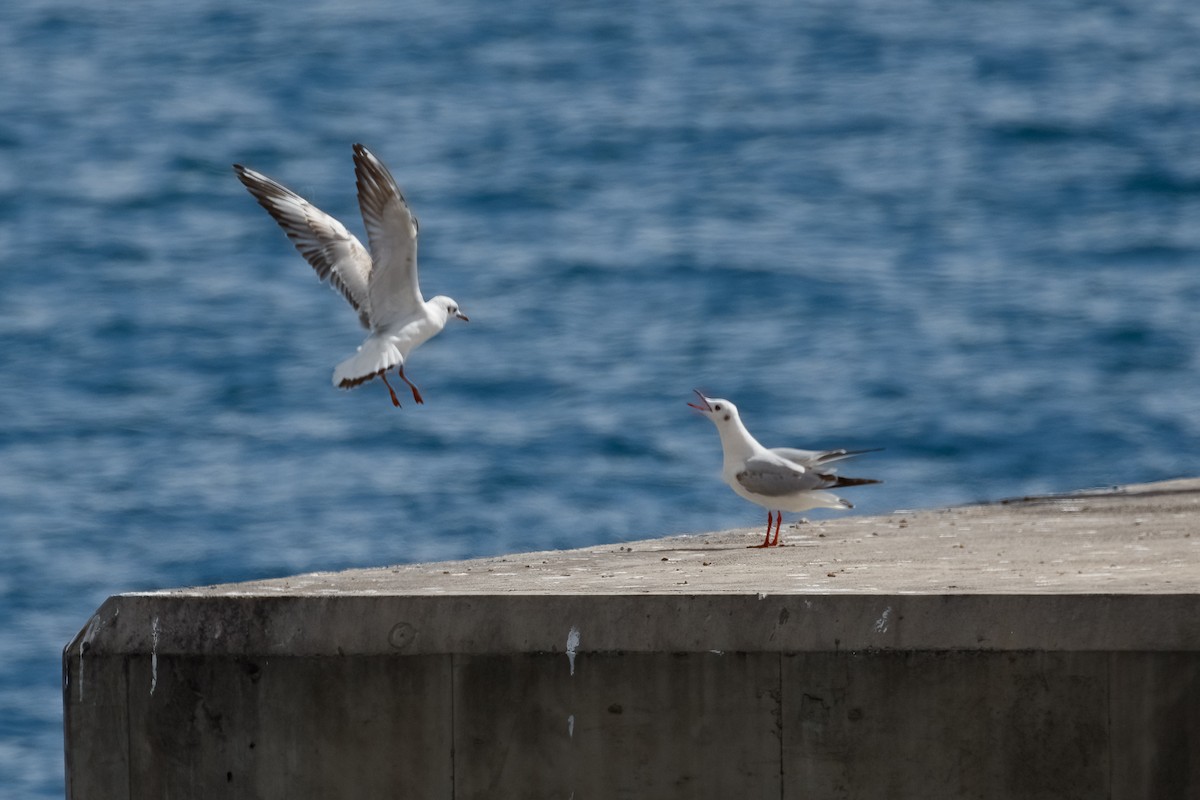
<point>391,391</point>
<point>778,522</point>
<point>416,394</point>
<point>766,541</point>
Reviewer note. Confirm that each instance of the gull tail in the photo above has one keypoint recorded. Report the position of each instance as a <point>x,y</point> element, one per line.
<point>375,356</point>
<point>821,499</point>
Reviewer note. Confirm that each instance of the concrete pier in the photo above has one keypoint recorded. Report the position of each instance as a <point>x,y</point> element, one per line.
<point>1043,647</point>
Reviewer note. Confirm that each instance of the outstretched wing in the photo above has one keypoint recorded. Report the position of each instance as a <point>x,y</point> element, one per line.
<point>392,233</point>
<point>336,255</point>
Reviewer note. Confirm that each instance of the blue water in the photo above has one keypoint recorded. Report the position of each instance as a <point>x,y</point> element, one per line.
<point>967,232</point>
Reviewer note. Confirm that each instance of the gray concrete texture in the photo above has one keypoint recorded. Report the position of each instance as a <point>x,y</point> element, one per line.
<point>1037,648</point>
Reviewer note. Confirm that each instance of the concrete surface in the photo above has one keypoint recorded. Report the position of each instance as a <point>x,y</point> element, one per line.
<point>1142,539</point>
<point>1043,647</point>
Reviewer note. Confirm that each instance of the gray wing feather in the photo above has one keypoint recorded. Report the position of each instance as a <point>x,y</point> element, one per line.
<point>802,457</point>
<point>773,477</point>
<point>334,253</point>
<point>814,458</point>
<point>395,290</point>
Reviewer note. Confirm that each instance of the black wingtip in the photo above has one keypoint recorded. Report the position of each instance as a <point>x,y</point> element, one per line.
<point>840,481</point>
<point>860,452</point>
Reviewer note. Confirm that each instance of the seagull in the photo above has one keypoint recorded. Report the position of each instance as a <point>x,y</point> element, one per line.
<point>778,479</point>
<point>380,284</point>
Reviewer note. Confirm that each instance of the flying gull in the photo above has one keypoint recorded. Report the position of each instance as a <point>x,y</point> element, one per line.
<point>381,284</point>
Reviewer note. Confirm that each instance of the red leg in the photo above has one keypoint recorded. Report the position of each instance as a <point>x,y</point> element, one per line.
<point>416,394</point>
<point>392,392</point>
<point>778,522</point>
<point>766,541</point>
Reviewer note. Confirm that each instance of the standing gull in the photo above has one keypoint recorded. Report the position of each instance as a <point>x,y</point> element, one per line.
<point>380,284</point>
<point>778,479</point>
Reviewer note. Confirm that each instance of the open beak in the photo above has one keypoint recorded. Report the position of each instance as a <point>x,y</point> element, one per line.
<point>706,407</point>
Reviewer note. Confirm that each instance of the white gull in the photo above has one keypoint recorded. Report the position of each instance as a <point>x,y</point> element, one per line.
<point>778,479</point>
<point>381,284</point>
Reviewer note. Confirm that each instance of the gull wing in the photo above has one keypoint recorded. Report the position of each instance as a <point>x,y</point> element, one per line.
<point>334,253</point>
<point>815,458</point>
<point>394,290</point>
<point>771,476</point>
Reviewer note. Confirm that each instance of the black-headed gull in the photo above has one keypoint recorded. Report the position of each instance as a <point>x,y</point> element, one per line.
<point>381,284</point>
<point>778,479</point>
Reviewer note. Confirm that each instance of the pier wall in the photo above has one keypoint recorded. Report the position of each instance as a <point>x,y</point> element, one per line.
<point>479,680</point>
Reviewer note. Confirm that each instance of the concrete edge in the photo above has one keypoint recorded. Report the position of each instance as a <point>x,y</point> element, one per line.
<point>354,624</point>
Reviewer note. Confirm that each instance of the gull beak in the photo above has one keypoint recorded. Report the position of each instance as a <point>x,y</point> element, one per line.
<point>706,407</point>
<point>461,316</point>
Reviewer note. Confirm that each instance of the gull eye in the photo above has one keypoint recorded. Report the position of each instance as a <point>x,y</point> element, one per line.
<point>717,407</point>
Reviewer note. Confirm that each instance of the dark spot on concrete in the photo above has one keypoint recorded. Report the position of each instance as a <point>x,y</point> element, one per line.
<point>253,671</point>
<point>402,635</point>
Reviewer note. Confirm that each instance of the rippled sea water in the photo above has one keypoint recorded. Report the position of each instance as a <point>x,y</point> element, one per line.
<point>968,233</point>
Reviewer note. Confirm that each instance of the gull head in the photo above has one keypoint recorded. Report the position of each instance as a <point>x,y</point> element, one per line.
<point>716,409</point>
<point>448,305</point>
